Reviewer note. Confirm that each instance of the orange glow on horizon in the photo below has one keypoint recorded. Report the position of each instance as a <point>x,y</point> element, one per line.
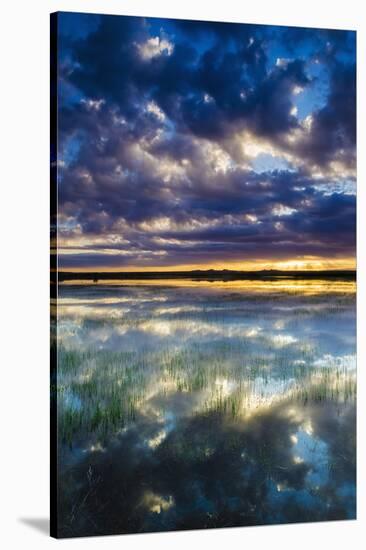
<point>307,263</point>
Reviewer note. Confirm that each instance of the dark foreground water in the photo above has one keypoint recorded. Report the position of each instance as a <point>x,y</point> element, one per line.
<point>187,405</point>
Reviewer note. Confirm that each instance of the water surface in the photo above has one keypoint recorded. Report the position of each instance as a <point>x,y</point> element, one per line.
<point>192,404</point>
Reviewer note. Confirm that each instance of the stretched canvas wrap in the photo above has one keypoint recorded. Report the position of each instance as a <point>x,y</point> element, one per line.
<point>203,361</point>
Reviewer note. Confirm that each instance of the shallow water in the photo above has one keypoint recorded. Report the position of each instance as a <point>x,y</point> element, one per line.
<point>187,404</point>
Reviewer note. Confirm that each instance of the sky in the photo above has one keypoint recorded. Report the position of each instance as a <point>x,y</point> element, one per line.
<point>197,145</point>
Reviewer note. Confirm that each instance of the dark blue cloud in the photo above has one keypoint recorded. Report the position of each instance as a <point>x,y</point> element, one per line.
<point>152,118</point>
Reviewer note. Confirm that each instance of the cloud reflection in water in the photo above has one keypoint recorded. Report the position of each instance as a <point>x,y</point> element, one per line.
<point>221,407</point>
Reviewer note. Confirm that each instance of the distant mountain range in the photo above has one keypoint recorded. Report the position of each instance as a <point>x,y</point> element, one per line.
<point>210,274</point>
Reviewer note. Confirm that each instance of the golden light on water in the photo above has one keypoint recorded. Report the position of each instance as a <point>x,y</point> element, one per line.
<point>298,286</point>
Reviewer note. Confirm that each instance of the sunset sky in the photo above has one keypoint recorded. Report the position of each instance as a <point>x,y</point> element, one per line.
<point>188,144</point>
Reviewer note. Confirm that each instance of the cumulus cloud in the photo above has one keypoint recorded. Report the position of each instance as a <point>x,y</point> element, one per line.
<point>155,46</point>
<point>185,145</point>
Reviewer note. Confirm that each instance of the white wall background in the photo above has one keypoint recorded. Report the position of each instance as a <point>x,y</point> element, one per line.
<point>24,199</point>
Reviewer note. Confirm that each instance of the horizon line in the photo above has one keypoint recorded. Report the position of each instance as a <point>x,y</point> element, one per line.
<point>199,270</point>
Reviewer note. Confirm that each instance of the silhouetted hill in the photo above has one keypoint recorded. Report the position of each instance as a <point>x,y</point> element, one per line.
<point>211,274</point>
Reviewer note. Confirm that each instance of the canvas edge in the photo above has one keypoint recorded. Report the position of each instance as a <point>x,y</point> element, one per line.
<point>53,273</point>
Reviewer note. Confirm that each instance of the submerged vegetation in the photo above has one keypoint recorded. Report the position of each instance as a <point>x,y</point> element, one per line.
<point>147,367</point>
<point>103,390</point>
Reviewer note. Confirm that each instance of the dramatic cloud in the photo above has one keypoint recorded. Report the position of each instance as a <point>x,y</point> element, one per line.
<point>191,143</point>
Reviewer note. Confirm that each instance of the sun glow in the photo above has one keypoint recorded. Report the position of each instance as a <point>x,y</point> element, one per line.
<point>304,263</point>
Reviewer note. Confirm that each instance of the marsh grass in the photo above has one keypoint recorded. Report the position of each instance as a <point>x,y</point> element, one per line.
<point>213,393</point>
<point>104,390</point>
<point>196,342</point>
